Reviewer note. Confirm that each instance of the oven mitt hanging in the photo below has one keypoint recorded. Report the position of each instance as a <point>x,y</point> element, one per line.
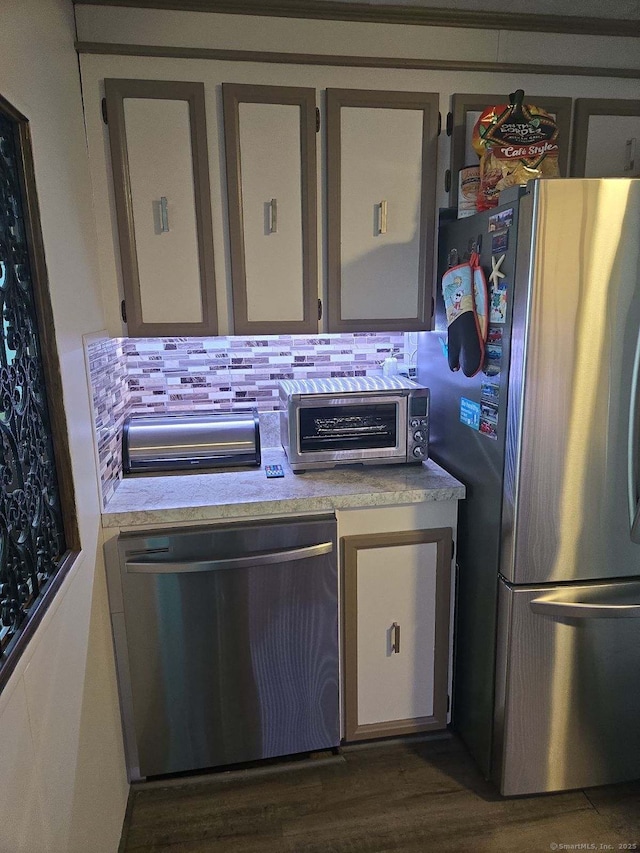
<point>481,296</point>
<point>465,337</point>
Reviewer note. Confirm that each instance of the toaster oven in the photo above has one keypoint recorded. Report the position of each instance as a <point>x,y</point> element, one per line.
<point>372,420</point>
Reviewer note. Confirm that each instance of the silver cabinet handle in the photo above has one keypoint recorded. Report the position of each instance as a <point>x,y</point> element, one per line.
<point>260,558</point>
<point>632,451</point>
<point>382,217</point>
<point>273,216</point>
<point>395,643</point>
<point>583,610</point>
<point>630,154</point>
<point>164,215</point>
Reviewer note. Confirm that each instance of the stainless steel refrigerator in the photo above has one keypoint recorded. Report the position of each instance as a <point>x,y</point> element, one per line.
<point>546,439</point>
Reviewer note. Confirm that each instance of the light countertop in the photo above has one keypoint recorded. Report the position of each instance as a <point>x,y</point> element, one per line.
<point>244,492</point>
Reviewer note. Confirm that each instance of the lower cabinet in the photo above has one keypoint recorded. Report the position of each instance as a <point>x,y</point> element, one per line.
<point>239,641</point>
<point>396,631</point>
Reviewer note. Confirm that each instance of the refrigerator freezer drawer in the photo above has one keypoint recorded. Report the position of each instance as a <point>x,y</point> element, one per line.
<point>567,689</point>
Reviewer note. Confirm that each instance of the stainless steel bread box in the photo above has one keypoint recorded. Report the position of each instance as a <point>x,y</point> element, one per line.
<point>163,443</point>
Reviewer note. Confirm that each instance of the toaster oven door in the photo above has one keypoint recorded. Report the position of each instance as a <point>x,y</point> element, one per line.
<point>342,429</point>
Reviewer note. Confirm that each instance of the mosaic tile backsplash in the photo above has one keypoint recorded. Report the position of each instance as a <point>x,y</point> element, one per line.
<point>110,396</point>
<point>170,375</point>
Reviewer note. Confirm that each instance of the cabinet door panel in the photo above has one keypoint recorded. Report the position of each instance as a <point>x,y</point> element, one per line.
<point>396,592</point>
<point>158,143</point>
<point>381,168</point>
<point>272,211</point>
<point>606,138</point>
<point>396,686</point>
<point>613,149</point>
<point>157,135</point>
<point>270,151</point>
<point>383,150</point>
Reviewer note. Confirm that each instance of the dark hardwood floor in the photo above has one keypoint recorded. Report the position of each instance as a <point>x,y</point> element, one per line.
<point>411,796</point>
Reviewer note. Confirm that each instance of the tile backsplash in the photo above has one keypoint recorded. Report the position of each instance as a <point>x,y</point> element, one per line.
<point>170,375</point>
<point>110,398</point>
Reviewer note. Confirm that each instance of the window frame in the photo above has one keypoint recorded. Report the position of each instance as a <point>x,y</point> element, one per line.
<point>53,385</point>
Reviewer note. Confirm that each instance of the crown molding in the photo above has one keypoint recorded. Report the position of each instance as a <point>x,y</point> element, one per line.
<point>111,48</point>
<point>386,14</point>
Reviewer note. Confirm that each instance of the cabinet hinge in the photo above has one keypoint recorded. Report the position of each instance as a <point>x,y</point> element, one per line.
<point>447,181</point>
<point>123,311</point>
<point>449,124</point>
<point>317,119</point>
<point>439,123</point>
<point>103,106</point>
<point>319,309</point>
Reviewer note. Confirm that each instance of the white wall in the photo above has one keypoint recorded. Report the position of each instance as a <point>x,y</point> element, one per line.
<point>298,35</point>
<point>62,780</point>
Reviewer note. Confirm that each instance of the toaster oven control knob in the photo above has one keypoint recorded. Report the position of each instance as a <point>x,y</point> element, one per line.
<point>414,423</point>
<point>418,452</point>
<point>418,436</point>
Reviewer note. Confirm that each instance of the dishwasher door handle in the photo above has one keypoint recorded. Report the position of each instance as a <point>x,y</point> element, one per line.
<point>585,610</point>
<point>259,558</point>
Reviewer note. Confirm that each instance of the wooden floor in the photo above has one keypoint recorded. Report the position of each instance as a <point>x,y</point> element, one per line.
<point>413,796</point>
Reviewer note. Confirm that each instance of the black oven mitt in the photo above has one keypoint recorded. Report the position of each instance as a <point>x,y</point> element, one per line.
<point>465,335</point>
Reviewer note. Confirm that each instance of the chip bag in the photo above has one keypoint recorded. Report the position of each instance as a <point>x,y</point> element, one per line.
<point>515,142</point>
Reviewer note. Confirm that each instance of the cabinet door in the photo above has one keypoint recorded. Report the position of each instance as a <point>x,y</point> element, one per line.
<point>381,169</point>
<point>606,138</point>
<point>396,593</point>
<point>466,109</point>
<point>270,149</point>
<point>157,132</point>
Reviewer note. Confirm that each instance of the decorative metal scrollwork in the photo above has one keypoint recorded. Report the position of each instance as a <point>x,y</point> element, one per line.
<point>31,531</point>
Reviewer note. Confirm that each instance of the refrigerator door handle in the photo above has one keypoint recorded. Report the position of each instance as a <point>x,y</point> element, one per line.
<point>632,454</point>
<point>583,610</point>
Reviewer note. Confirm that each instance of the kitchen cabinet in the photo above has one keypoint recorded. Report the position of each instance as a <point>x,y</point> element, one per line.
<point>381,175</point>
<point>158,142</point>
<point>270,155</point>
<point>466,109</point>
<point>415,507</point>
<point>367,280</point>
<point>396,631</point>
<point>606,138</point>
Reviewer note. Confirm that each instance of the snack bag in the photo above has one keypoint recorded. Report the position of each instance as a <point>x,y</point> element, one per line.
<point>515,142</point>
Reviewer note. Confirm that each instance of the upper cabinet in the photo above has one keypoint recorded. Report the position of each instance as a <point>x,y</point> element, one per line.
<point>381,159</point>
<point>466,109</point>
<point>270,154</point>
<point>381,177</point>
<point>328,230</point>
<point>157,135</point>
<point>606,138</point>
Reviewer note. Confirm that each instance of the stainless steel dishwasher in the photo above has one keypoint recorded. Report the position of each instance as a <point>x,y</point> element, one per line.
<point>226,643</point>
